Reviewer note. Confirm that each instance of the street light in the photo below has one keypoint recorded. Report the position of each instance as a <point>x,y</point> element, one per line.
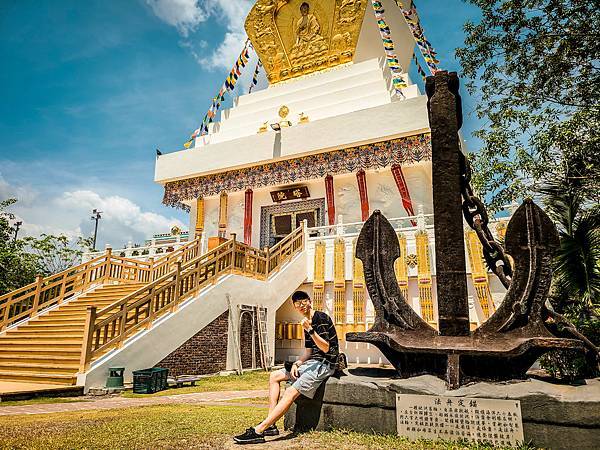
<point>96,216</point>
<point>17,227</point>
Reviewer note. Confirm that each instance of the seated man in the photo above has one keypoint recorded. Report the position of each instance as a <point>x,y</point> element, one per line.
<point>317,363</point>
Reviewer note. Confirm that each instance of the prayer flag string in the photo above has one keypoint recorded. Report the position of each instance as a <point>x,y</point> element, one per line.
<point>255,76</point>
<point>388,46</point>
<point>419,68</point>
<point>427,51</point>
<point>228,85</point>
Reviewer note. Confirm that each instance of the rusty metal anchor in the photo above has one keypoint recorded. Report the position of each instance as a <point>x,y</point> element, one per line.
<point>505,346</point>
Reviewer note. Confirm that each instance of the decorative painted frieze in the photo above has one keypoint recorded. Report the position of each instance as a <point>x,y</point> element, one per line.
<point>379,155</point>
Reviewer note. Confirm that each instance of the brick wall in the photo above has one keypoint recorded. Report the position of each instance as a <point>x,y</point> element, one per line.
<point>204,353</point>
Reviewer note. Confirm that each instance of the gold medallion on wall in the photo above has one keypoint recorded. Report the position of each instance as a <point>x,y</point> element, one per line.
<point>298,37</point>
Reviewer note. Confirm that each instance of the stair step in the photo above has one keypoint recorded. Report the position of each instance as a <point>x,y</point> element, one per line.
<point>33,350</point>
<point>107,295</point>
<point>63,314</point>
<point>58,328</point>
<point>84,306</point>
<point>40,368</point>
<point>5,342</point>
<point>39,378</point>
<point>25,357</point>
<point>28,334</point>
<point>59,319</point>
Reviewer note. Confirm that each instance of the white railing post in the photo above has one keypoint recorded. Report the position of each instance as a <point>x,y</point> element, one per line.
<point>202,244</point>
<point>340,226</point>
<point>421,222</point>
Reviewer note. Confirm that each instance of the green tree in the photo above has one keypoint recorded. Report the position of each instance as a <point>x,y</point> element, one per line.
<point>55,254</point>
<point>22,259</point>
<point>534,67</point>
<point>17,267</point>
<point>576,284</point>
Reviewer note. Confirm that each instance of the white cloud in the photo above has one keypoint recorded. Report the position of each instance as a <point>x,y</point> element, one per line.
<point>234,13</point>
<point>69,213</point>
<point>122,220</point>
<point>185,15</point>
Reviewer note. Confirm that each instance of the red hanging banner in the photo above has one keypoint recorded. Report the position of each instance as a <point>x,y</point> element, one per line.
<point>403,189</point>
<point>330,199</point>
<point>248,217</point>
<point>362,190</point>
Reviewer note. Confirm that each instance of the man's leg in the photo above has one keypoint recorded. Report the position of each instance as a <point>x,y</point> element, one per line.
<point>274,387</point>
<point>290,394</point>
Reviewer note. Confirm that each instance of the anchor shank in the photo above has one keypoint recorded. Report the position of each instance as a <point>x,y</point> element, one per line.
<point>445,117</point>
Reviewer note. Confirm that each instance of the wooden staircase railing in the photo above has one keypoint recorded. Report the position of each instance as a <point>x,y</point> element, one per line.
<point>111,326</point>
<point>56,289</point>
<point>183,254</point>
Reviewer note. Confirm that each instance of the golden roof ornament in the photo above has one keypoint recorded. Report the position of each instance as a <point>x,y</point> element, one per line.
<point>264,127</point>
<point>298,37</point>
<point>284,111</point>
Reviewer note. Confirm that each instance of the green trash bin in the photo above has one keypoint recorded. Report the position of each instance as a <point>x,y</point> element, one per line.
<point>115,377</point>
<point>149,381</point>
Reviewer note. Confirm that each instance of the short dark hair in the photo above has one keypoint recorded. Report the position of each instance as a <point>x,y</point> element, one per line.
<point>299,295</point>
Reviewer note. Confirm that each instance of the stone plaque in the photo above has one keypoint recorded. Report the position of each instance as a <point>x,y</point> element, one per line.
<point>497,422</point>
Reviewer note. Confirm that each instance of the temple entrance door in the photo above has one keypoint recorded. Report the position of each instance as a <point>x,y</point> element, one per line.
<point>279,220</point>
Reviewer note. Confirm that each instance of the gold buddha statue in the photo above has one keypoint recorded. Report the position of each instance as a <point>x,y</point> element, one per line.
<point>308,35</point>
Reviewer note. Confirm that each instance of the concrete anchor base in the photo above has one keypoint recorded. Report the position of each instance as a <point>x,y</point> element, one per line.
<point>556,417</point>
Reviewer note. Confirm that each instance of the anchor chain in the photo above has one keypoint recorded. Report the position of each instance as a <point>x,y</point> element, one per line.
<point>476,216</point>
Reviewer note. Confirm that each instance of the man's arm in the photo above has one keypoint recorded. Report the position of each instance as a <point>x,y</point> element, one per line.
<point>320,342</point>
<point>304,357</point>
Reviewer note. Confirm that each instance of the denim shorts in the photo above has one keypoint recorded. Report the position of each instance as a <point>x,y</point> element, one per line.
<point>310,376</point>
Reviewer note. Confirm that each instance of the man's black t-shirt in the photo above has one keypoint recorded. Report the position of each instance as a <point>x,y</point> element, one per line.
<point>324,327</point>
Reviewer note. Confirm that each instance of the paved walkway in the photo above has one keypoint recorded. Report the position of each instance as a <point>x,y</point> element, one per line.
<point>206,398</point>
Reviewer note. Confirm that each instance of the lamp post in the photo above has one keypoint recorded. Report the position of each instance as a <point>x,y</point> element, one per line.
<point>96,217</point>
<point>17,227</point>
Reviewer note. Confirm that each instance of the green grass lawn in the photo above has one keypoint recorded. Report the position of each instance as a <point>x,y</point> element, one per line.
<point>177,427</point>
<point>245,382</point>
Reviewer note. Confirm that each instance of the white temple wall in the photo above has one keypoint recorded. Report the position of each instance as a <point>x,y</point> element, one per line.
<point>347,198</point>
<point>419,182</point>
<point>381,189</point>
<point>235,214</point>
<point>211,216</point>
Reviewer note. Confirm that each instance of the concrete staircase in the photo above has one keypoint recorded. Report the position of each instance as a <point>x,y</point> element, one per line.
<point>47,348</point>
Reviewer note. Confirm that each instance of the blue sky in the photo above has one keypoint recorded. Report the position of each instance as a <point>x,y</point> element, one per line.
<point>90,89</point>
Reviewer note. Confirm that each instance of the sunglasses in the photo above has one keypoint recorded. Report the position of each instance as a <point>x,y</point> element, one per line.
<point>302,302</point>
